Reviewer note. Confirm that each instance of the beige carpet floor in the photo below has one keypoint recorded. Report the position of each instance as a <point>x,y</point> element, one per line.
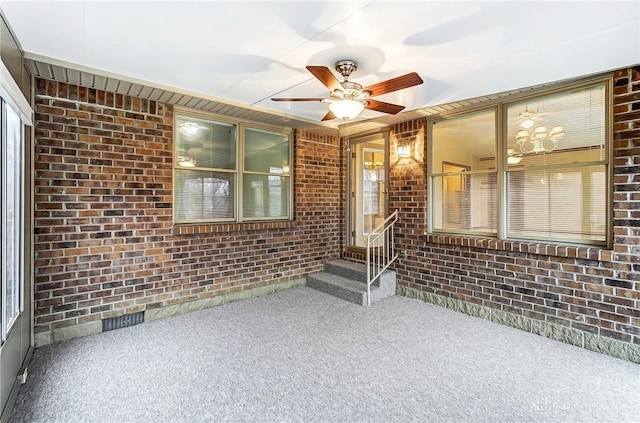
<point>304,356</point>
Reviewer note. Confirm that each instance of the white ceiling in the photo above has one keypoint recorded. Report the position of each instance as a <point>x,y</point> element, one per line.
<point>248,52</point>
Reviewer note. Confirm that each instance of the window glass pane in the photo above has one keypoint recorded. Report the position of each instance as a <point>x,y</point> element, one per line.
<point>265,196</point>
<point>211,185</point>
<point>465,202</point>
<point>12,216</point>
<point>204,195</point>
<point>205,144</point>
<point>464,169</point>
<point>265,151</point>
<point>466,141</point>
<point>558,129</point>
<point>373,189</point>
<point>558,204</point>
<point>556,169</point>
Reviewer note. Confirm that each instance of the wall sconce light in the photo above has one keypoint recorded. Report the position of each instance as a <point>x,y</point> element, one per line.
<point>404,150</point>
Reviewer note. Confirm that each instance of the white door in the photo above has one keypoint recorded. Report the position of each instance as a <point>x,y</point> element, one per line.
<point>368,187</point>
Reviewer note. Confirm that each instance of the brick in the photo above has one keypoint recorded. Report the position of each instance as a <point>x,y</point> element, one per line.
<point>107,237</point>
<point>570,275</point>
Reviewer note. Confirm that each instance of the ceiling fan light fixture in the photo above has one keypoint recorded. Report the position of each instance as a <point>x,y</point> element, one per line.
<point>347,99</point>
<point>527,123</point>
<point>527,118</point>
<point>346,109</point>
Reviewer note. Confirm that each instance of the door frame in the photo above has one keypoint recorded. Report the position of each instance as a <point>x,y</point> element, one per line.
<point>351,185</point>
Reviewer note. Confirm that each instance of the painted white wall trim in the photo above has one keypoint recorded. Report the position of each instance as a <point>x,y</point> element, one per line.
<point>11,93</point>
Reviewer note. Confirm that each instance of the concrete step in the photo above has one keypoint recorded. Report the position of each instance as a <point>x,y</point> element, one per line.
<point>347,289</point>
<point>347,280</point>
<point>358,272</point>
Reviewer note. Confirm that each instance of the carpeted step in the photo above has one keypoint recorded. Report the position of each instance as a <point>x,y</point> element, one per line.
<point>347,269</point>
<point>347,280</point>
<point>347,289</point>
<point>358,272</point>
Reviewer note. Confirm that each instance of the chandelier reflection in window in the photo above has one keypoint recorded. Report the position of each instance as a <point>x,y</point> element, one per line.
<point>373,201</point>
<point>371,165</point>
<point>539,140</point>
<point>186,161</point>
<point>190,128</point>
<point>533,137</point>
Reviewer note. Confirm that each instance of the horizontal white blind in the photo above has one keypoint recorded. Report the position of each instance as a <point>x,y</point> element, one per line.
<point>204,195</point>
<point>561,204</point>
<point>558,192</point>
<point>467,202</point>
<point>229,172</point>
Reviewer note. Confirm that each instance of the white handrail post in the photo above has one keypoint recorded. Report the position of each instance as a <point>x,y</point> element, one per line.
<point>368,273</point>
<point>384,255</point>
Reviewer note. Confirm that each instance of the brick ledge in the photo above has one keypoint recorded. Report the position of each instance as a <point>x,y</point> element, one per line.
<point>204,228</point>
<point>95,327</point>
<point>570,251</point>
<point>619,349</point>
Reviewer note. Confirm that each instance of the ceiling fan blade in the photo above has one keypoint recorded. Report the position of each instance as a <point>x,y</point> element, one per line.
<point>299,99</point>
<point>394,84</point>
<point>329,116</point>
<point>381,106</point>
<point>326,77</point>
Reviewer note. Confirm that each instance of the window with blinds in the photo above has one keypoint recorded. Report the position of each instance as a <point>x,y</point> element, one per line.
<point>229,171</point>
<point>463,181</point>
<point>553,166</point>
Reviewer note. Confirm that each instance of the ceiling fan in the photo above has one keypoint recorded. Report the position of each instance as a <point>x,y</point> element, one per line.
<point>347,99</point>
<point>528,118</point>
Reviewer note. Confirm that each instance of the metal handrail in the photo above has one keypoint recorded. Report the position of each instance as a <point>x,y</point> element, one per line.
<point>381,239</point>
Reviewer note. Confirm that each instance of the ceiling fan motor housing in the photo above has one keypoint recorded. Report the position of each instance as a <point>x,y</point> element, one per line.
<point>346,68</point>
<point>350,91</point>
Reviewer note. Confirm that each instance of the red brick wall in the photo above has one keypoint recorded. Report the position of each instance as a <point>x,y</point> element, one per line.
<point>104,240</point>
<point>589,289</point>
<point>105,244</point>
<point>407,185</point>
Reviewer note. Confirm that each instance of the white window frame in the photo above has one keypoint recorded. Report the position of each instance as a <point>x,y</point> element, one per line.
<point>239,172</point>
<point>501,123</point>
<point>12,97</point>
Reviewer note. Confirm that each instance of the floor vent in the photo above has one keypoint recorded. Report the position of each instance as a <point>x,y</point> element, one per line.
<point>122,321</point>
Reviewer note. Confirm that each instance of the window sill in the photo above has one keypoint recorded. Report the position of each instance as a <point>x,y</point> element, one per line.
<point>556,250</point>
<point>205,228</point>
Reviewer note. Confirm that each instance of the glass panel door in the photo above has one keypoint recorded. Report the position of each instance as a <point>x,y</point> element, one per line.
<point>368,185</point>
<point>11,226</point>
